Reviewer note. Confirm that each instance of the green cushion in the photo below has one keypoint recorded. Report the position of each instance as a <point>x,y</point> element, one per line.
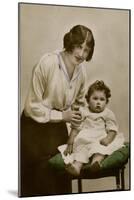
<point>116,159</point>
<point>57,162</point>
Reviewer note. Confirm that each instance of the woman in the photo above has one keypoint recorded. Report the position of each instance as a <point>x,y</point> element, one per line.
<point>58,86</point>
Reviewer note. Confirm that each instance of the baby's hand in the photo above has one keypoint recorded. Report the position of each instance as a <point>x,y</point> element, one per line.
<point>69,149</point>
<point>104,141</point>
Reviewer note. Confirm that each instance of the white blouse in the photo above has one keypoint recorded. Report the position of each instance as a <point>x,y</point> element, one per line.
<point>52,91</point>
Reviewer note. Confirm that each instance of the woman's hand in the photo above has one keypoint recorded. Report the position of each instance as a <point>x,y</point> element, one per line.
<point>76,121</point>
<point>72,116</point>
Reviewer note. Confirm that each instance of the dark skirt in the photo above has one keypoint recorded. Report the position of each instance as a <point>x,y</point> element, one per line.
<point>38,143</point>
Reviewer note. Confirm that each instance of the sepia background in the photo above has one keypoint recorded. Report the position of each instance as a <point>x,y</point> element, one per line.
<point>41,30</point>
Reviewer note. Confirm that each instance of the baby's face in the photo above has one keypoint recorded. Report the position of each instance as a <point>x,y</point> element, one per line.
<point>97,101</point>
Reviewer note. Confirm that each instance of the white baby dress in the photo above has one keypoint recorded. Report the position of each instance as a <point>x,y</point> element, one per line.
<point>92,130</point>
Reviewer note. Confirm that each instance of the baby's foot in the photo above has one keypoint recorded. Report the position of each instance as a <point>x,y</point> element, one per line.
<point>96,162</point>
<point>94,167</point>
<point>73,169</point>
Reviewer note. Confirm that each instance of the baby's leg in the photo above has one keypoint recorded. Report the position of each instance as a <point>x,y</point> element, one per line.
<point>74,168</point>
<point>96,162</point>
<point>97,158</point>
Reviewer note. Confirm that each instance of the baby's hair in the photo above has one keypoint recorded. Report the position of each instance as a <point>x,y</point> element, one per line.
<point>76,36</point>
<point>101,86</point>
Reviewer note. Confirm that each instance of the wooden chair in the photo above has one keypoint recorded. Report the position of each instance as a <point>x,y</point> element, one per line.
<point>112,166</point>
<point>118,173</point>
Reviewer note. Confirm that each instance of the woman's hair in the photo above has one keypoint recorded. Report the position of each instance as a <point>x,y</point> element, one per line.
<point>98,85</point>
<point>77,36</point>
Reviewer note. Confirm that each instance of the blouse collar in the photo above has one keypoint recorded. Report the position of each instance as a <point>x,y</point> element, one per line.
<point>77,70</point>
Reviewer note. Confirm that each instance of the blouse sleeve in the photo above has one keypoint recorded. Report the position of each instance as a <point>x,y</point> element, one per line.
<point>34,106</point>
<point>111,123</point>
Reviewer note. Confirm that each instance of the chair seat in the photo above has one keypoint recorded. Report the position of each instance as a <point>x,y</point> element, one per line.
<point>116,160</point>
<point>112,165</point>
<point>87,174</point>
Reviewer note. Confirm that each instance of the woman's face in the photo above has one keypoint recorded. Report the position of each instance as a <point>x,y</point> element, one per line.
<point>97,101</point>
<point>79,54</point>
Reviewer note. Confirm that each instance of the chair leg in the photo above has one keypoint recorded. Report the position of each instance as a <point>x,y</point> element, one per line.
<point>118,180</point>
<point>122,179</point>
<point>79,185</point>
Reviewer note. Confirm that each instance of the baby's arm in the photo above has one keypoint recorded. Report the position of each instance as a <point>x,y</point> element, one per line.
<point>70,141</point>
<point>74,132</point>
<point>109,138</point>
<point>111,128</point>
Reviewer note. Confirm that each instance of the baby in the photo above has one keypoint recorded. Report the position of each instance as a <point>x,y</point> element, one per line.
<point>98,134</point>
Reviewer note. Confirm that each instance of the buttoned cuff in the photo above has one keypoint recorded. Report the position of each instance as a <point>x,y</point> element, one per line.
<point>55,115</point>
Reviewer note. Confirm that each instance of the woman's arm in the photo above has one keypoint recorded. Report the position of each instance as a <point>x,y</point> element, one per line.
<point>34,105</point>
